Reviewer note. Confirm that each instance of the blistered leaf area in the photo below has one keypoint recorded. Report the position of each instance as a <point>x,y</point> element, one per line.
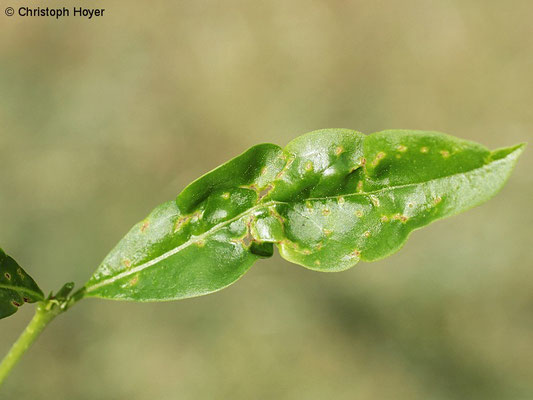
<point>16,286</point>
<point>327,200</point>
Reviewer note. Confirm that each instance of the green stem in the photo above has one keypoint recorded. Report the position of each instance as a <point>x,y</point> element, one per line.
<point>45,313</point>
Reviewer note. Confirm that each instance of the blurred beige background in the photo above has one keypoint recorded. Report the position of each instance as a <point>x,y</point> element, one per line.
<point>103,119</point>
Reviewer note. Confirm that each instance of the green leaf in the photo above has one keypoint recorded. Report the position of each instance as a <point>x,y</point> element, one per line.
<point>16,286</point>
<point>327,200</point>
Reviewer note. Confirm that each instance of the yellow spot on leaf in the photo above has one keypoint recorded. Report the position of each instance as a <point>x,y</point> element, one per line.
<point>200,243</point>
<point>339,150</point>
<point>341,200</point>
<point>445,153</point>
<point>359,213</point>
<point>424,149</point>
<point>356,253</point>
<point>196,216</point>
<point>317,262</point>
<point>134,280</point>
<point>127,263</point>
<point>401,148</point>
<point>437,200</point>
<point>384,218</point>
<point>145,226</point>
<point>367,234</point>
<point>180,222</point>
<point>359,186</point>
<point>327,232</point>
<point>399,217</point>
<point>308,166</point>
<point>325,212</point>
<point>378,158</point>
<point>285,168</point>
<point>374,200</point>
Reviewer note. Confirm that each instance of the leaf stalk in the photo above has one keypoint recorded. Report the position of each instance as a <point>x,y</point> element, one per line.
<point>45,313</point>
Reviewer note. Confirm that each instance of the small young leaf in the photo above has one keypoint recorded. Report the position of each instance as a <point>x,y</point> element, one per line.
<point>16,286</point>
<point>327,200</point>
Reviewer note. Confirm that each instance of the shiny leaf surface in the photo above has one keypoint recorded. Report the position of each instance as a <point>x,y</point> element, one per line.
<point>16,286</point>
<point>327,200</point>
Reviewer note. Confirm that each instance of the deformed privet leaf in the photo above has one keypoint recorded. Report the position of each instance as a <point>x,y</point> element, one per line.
<point>327,200</point>
<point>16,286</point>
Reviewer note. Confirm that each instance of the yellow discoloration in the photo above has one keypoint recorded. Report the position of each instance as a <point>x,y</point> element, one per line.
<point>317,262</point>
<point>445,153</point>
<point>424,149</point>
<point>127,263</point>
<point>285,168</point>
<point>437,200</point>
<point>264,192</point>
<point>359,186</point>
<point>276,215</point>
<point>410,205</point>
<point>308,166</point>
<point>339,150</point>
<point>264,170</point>
<point>401,148</point>
<point>327,232</point>
<point>359,213</point>
<point>20,273</point>
<point>341,200</point>
<point>384,218</point>
<point>374,200</point>
<point>325,212</point>
<point>367,234</point>
<point>292,244</point>
<point>399,217</point>
<point>134,280</point>
<point>356,253</point>
<point>362,161</point>
<point>253,187</point>
<point>225,196</point>
<point>378,158</point>
<point>319,246</point>
<point>309,205</point>
<point>196,216</point>
<point>200,243</point>
<point>398,156</point>
<point>145,226</point>
<point>180,222</point>
<point>306,252</point>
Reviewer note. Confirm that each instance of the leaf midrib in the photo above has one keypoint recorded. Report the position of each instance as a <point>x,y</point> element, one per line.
<point>177,249</point>
<point>215,228</point>
<point>30,292</point>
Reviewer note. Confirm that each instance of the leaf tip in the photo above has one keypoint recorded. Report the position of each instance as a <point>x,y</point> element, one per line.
<point>515,151</point>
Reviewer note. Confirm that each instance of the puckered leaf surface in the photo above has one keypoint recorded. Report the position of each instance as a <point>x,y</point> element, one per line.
<point>327,200</point>
<point>16,286</point>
